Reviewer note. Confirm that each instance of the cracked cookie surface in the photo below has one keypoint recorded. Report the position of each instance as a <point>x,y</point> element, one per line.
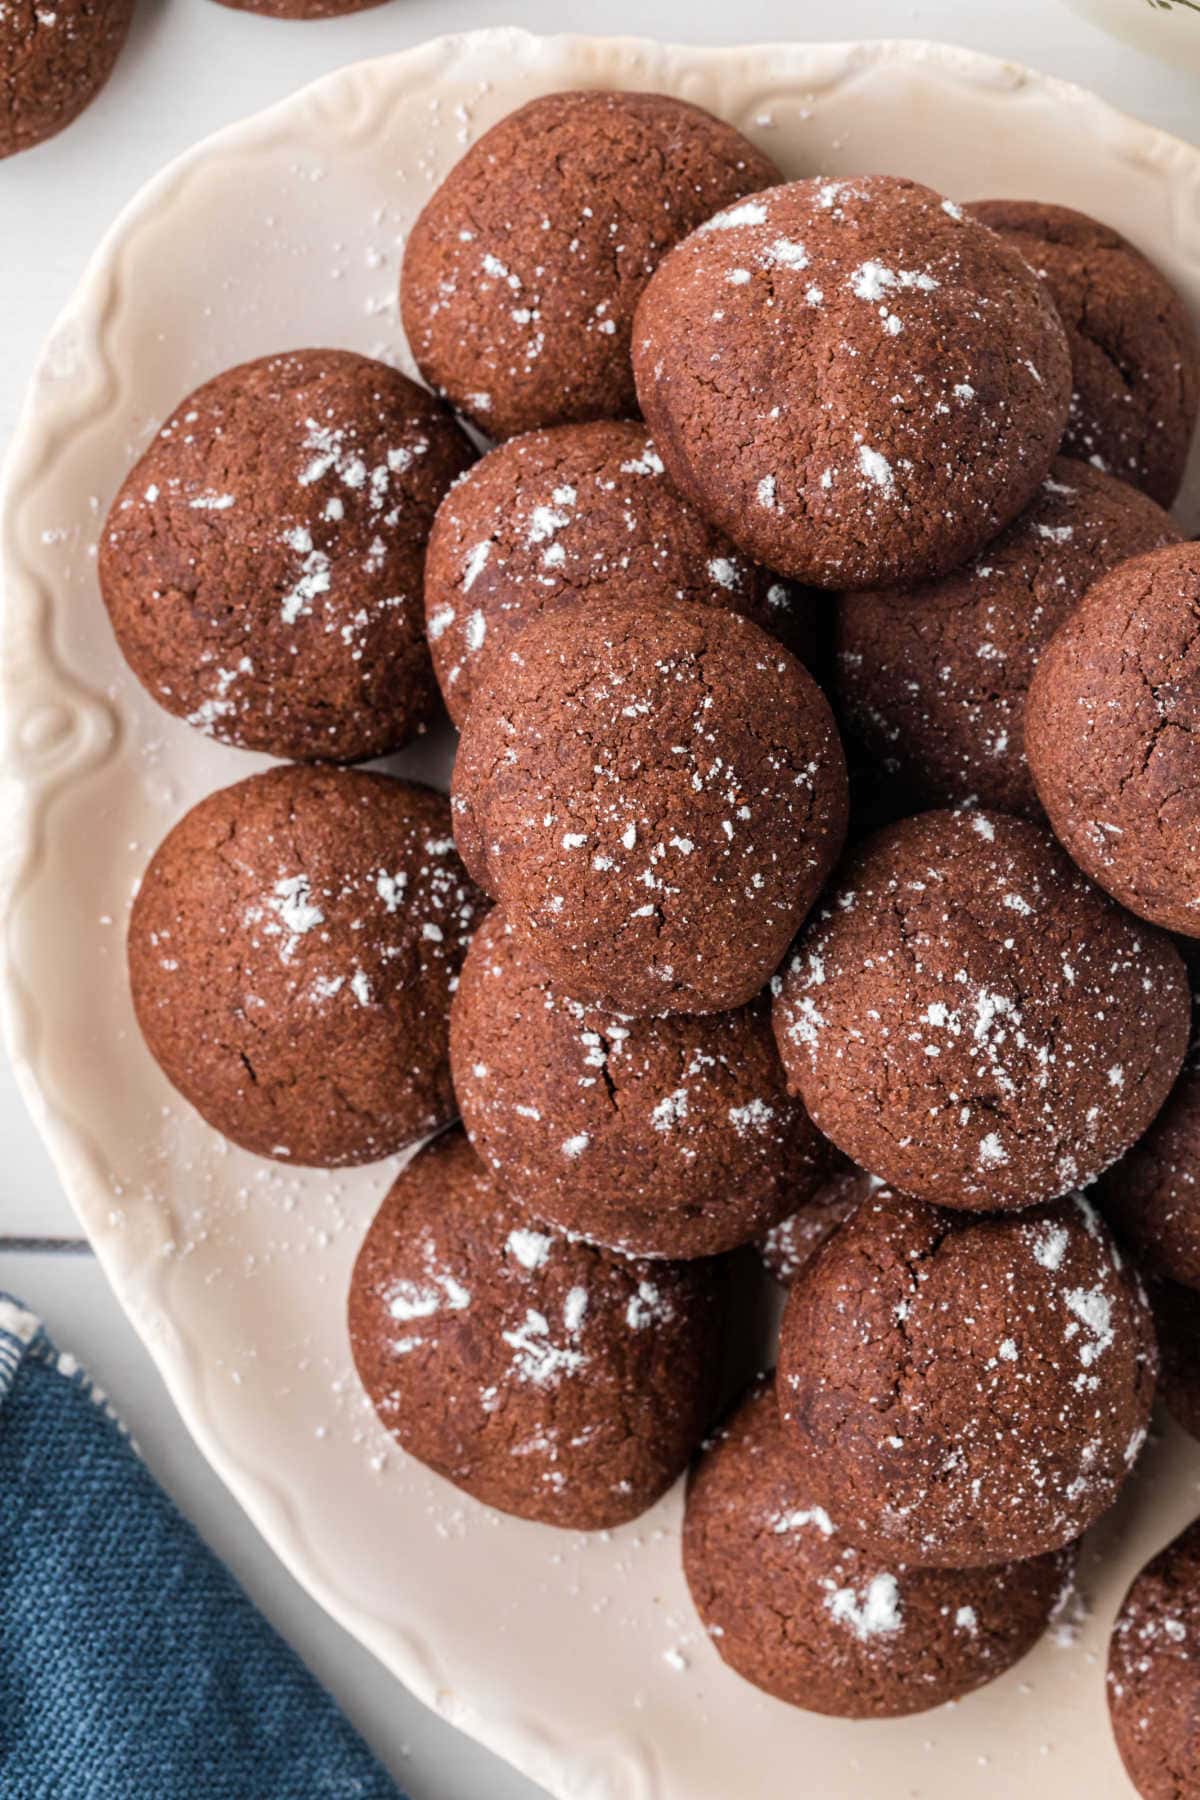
<point>971,1020</point>
<point>795,1607</point>
<point>292,952</point>
<point>1135,363</point>
<point>966,1390</point>
<point>1154,1673</point>
<point>54,59</point>
<point>656,797</point>
<point>1112,734</point>
<point>522,273</point>
<point>856,382</point>
<point>262,563</point>
<point>671,1136</point>
<point>546,1377</point>
<point>932,680</point>
<point>559,517</point>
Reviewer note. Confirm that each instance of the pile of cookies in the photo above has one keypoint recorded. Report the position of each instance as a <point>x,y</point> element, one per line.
<point>774,466</point>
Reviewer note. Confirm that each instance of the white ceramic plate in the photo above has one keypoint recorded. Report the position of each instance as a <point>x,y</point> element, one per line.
<point>578,1658</point>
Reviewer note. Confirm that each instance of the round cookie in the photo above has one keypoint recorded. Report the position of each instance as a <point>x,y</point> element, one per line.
<point>558,516</point>
<point>655,797</point>
<point>262,563</point>
<point>292,951</point>
<point>546,1377</point>
<point>1135,365</point>
<point>522,273</point>
<point>964,1390</point>
<point>856,382</point>
<point>53,62</point>
<point>798,1610</point>
<point>932,679</point>
<point>1154,1673</point>
<point>1177,1326</point>
<point>788,1246</point>
<point>301,9</point>
<point>971,1020</point>
<point>668,1136</point>
<point>1151,1198</point>
<point>1111,734</point>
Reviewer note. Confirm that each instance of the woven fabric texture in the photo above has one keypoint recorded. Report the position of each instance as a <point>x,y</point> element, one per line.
<point>132,1665</point>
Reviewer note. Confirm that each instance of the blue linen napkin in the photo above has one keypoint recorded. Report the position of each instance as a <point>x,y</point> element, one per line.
<point>132,1666</point>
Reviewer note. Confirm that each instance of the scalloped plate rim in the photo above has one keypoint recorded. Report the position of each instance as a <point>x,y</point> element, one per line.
<point>532,1750</point>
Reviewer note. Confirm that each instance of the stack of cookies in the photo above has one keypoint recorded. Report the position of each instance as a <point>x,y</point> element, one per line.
<point>813,514</point>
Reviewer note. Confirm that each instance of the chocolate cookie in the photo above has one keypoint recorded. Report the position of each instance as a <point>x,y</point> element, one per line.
<point>656,798</point>
<point>522,273</point>
<point>969,1019</point>
<point>1177,1325</point>
<point>262,563</point>
<point>301,9</point>
<point>1151,1197</point>
<point>801,1612</point>
<point>292,950</point>
<point>788,1246</point>
<point>961,1391</point>
<point>658,1136</point>
<point>853,380</point>
<point>54,59</point>
<point>1135,366</point>
<point>561,516</point>
<point>1154,1673</point>
<point>546,1377</point>
<point>1112,733</point>
<point>932,680</point>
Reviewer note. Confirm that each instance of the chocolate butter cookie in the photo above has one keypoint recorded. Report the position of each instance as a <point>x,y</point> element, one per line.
<point>54,59</point>
<point>1154,1673</point>
<point>262,563</point>
<point>522,273</point>
<point>855,381</point>
<point>961,1391</point>
<point>797,1609</point>
<point>1135,365</point>
<point>562,516</point>
<point>1112,733</point>
<point>656,797</point>
<point>292,950</point>
<point>1177,1325</point>
<point>932,679</point>
<point>971,1020</point>
<point>670,1136</point>
<point>788,1246</point>
<point>546,1377</point>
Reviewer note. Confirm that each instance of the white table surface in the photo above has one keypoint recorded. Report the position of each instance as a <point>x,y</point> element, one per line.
<point>190,67</point>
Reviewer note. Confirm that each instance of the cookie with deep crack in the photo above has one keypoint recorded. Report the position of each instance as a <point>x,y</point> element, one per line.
<point>546,1377</point>
<point>963,1390</point>
<point>522,273</point>
<point>1135,363</point>
<point>293,948</point>
<point>795,1607</point>
<point>854,380</point>
<point>656,797</point>
<point>662,1136</point>
<point>262,563</point>
<point>971,1020</point>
